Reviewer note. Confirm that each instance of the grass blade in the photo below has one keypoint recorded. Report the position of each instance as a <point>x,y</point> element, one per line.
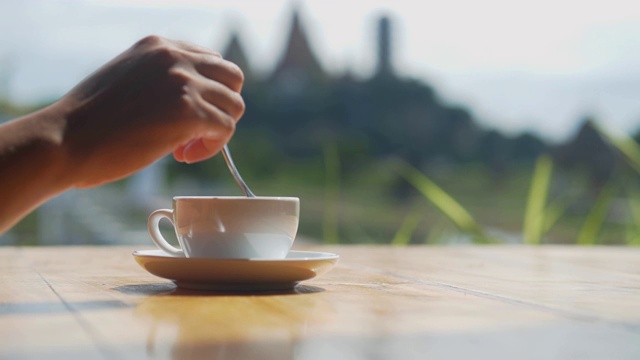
<point>408,228</point>
<point>438,234</point>
<point>633,230</point>
<point>331,195</point>
<point>554,212</point>
<point>595,218</point>
<point>627,145</point>
<point>631,150</point>
<point>443,202</point>
<point>534,219</point>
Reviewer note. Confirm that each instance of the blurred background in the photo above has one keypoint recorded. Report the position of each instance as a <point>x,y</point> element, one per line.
<point>444,123</point>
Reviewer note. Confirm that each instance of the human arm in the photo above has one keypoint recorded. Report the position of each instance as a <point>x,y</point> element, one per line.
<point>159,96</point>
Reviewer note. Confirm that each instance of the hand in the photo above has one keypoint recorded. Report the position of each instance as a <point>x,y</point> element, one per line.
<point>159,96</point>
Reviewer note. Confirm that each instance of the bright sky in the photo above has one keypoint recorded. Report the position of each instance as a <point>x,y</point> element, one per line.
<point>536,65</point>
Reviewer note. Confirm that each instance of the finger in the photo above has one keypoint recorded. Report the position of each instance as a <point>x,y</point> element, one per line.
<point>196,48</point>
<point>155,41</point>
<point>202,149</point>
<point>220,70</point>
<point>217,124</point>
<point>178,153</point>
<point>222,97</point>
<point>214,130</point>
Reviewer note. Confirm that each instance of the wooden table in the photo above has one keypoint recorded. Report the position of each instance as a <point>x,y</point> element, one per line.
<point>489,302</point>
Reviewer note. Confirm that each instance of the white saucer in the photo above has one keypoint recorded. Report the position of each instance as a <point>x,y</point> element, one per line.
<point>237,274</point>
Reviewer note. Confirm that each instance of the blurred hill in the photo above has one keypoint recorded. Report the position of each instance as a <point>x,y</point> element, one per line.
<point>299,108</point>
<point>330,139</point>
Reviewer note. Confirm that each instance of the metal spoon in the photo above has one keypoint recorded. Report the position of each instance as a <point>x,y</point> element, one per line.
<point>236,175</point>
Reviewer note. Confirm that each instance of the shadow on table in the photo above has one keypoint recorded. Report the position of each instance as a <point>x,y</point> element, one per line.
<point>170,289</point>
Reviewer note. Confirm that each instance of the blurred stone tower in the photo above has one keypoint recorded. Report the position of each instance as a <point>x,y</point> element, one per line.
<point>385,55</point>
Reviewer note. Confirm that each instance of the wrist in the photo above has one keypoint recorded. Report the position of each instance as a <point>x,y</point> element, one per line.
<point>33,165</point>
<point>50,141</point>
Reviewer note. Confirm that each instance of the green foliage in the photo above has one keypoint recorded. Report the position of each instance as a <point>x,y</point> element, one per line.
<point>555,210</point>
<point>407,229</point>
<point>443,202</point>
<point>631,150</point>
<point>439,234</point>
<point>588,234</point>
<point>627,146</point>
<point>332,193</point>
<point>352,191</point>
<point>535,220</point>
<point>633,226</point>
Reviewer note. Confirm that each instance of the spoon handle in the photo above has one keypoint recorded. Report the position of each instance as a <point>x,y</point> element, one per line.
<point>236,175</point>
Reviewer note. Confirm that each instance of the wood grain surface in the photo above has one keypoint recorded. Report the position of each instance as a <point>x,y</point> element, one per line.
<point>379,302</point>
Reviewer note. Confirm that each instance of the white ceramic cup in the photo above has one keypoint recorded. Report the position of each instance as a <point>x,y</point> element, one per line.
<point>230,227</point>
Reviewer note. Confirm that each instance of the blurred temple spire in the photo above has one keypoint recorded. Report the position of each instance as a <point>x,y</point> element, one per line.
<point>234,52</point>
<point>298,64</point>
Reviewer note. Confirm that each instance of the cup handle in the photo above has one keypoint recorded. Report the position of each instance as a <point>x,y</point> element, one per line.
<point>156,236</point>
